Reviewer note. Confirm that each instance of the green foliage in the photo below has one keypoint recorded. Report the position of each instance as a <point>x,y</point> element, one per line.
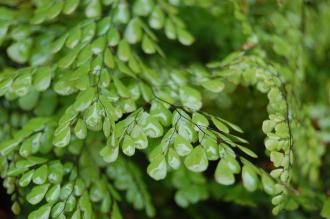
<point>107,104</point>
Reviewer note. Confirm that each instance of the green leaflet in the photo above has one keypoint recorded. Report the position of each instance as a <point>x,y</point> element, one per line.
<point>157,168</point>
<point>42,78</point>
<point>115,212</point>
<point>93,116</point>
<point>85,206</point>
<point>190,98</point>
<point>173,159</point>
<point>128,146</point>
<point>250,179</point>
<point>276,158</point>
<point>200,121</point>
<point>223,174</point>
<point>196,161</point>
<point>113,37</point>
<point>109,59</point>
<point>139,137</point>
<point>55,10</point>
<point>80,130</point>
<point>162,114</point>
<point>325,212</point>
<point>62,138</point>
<point>40,175</point>
<point>215,85</point>
<point>109,154</point>
<point>84,99</point>
<point>37,194</point>
<point>20,51</point>
<point>8,146</point>
<point>93,9</point>
<point>157,18</point>
<point>121,14</point>
<point>41,213</point>
<point>53,193</point>
<point>148,46</point>
<point>142,7</point>
<point>73,38</point>
<point>182,146</point>
<point>98,45</point>
<point>220,125</point>
<point>170,29</point>
<point>55,172</point>
<point>124,50</point>
<point>185,37</point>
<point>120,87</point>
<point>268,184</point>
<point>152,127</point>
<point>247,151</point>
<point>66,191</point>
<point>70,6</point>
<point>22,84</point>
<point>26,178</point>
<point>211,149</point>
<point>133,32</point>
<point>57,209</point>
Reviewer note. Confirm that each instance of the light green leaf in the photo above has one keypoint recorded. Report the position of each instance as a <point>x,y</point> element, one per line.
<point>153,128</point>
<point>157,18</point>
<point>26,178</point>
<point>185,37</point>
<point>57,209</point>
<point>73,38</point>
<point>170,29</point>
<point>196,161</point>
<point>62,138</point>
<point>133,32</point>
<point>223,175</point>
<point>37,194</point>
<point>124,51</point>
<point>157,168</point>
<point>70,6</point>
<point>53,193</point>
<point>250,178</point>
<point>84,99</point>
<point>109,59</point>
<point>247,151</point>
<point>173,159</point>
<point>120,87</point>
<point>113,37</point>
<point>80,130</point>
<point>276,158</point>
<point>115,212</point>
<point>40,175</point>
<point>128,146</point>
<point>139,138</point>
<point>190,98</point>
<point>268,184</point>
<point>42,78</point>
<point>182,146</point>
<point>20,51</point>
<point>109,154</point>
<point>214,85</point>
<point>41,213</point>
<point>93,9</point>
<point>220,125</point>
<point>325,212</point>
<point>93,117</point>
<point>148,45</point>
<point>142,7</point>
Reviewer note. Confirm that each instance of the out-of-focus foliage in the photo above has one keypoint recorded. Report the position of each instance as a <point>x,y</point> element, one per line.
<point>178,108</point>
